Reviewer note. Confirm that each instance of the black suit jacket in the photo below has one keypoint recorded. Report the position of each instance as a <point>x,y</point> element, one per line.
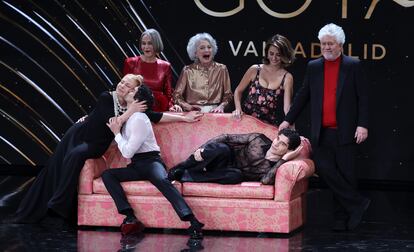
<point>351,99</point>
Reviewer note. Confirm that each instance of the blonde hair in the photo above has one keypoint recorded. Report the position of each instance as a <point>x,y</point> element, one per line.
<point>135,77</point>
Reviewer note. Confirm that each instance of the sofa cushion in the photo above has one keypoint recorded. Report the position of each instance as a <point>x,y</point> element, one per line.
<point>245,190</point>
<point>136,188</point>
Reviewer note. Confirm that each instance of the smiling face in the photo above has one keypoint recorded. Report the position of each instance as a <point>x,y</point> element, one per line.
<point>280,145</point>
<point>126,85</point>
<point>147,47</point>
<point>204,52</point>
<point>273,55</point>
<point>129,97</point>
<point>330,48</point>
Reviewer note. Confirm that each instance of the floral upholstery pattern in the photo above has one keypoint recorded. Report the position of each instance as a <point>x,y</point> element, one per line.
<point>249,206</point>
<point>143,188</point>
<point>249,190</point>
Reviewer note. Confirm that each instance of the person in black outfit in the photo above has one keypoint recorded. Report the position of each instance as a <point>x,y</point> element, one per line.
<point>337,91</point>
<point>233,158</point>
<point>54,191</point>
<point>137,141</point>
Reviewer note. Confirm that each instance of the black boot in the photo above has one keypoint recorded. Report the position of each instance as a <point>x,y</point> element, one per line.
<point>195,230</point>
<point>176,172</point>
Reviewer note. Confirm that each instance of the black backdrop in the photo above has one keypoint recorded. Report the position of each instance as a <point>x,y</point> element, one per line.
<point>57,56</point>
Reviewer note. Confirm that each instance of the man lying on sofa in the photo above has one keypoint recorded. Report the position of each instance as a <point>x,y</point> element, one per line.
<point>233,158</point>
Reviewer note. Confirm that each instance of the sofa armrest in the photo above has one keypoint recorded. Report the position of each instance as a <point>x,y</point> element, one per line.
<point>289,174</point>
<point>92,169</point>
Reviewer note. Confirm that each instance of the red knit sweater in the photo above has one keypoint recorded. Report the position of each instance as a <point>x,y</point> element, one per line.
<point>331,72</point>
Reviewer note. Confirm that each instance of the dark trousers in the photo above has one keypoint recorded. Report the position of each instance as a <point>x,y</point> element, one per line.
<point>214,168</point>
<point>336,164</point>
<point>147,167</point>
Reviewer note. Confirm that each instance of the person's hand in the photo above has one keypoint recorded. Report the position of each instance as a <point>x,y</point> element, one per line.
<point>361,134</point>
<point>193,116</point>
<point>138,106</point>
<point>81,119</point>
<point>218,109</point>
<point>237,114</point>
<point>197,155</point>
<point>189,107</point>
<point>114,125</point>
<point>284,125</point>
<point>292,154</point>
<point>176,108</point>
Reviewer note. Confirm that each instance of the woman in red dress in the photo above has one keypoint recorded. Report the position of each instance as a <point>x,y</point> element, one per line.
<point>156,72</point>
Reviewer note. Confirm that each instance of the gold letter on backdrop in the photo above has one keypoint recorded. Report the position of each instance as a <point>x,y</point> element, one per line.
<point>374,55</point>
<point>299,50</point>
<point>220,14</point>
<point>235,51</point>
<point>313,51</point>
<point>371,9</point>
<point>284,15</point>
<point>344,8</point>
<point>405,3</point>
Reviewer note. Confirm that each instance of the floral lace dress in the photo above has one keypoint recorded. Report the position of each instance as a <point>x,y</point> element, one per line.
<point>264,103</point>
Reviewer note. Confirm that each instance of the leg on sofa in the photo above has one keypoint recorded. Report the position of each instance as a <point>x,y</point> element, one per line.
<point>213,168</point>
<point>221,176</point>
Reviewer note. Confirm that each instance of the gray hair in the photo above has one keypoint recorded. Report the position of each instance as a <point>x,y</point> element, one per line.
<point>155,39</point>
<point>195,40</point>
<point>332,30</point>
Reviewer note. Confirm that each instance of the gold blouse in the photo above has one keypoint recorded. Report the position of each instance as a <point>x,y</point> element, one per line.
<point>198,85</point>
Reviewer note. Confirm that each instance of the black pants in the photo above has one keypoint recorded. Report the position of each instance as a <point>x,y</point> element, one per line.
<point>215,166</point>
<point>336,164</point>
<point>144,167</point>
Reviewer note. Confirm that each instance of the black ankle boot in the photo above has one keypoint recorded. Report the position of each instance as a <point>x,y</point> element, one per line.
<point>175,173</point>
<point>195,230</point>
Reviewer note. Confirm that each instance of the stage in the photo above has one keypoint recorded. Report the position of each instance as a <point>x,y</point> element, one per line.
<point>386,226</point>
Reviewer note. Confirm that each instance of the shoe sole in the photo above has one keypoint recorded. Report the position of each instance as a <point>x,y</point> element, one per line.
<point>352,227</point>
<point>133,228</point>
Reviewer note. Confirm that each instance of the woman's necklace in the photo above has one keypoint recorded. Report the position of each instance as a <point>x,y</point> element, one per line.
<point>118,109</point>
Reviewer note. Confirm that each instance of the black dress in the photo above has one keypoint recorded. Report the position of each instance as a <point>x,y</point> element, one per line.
<point>55,187</point>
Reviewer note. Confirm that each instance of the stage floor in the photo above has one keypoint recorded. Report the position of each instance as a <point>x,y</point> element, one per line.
<point>388,225</point>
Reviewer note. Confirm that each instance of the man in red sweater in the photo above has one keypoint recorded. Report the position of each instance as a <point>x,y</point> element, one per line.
<point>337,91</point>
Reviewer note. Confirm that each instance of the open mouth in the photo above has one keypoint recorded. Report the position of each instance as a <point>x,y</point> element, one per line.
<point>206,57</point>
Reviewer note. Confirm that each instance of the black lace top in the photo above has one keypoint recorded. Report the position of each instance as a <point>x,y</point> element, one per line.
<point>249,152</point>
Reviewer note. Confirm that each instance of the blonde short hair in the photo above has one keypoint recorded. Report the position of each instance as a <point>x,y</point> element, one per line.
<point>135,77</point>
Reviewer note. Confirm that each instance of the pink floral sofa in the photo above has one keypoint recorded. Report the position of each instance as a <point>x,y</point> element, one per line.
<point>249,206</point>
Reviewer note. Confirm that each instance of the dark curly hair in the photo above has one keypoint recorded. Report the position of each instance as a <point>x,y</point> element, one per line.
<point>293,136</point>
<point>144,93</point>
